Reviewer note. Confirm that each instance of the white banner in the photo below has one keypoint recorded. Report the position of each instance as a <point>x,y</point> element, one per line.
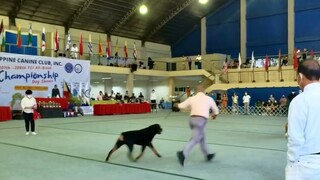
<point>21,72</point>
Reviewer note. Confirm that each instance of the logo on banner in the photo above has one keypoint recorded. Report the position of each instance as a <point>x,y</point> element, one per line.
<point>68,67</point>
<point>78,68</point>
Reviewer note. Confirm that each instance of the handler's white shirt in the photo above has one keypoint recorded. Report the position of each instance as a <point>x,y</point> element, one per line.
<point>200,105</point>
<point>246,98</point>
<point>304,123</point>
<point>26,102</point>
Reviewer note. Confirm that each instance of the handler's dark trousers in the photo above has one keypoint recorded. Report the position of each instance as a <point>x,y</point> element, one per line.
<point>28,119</point>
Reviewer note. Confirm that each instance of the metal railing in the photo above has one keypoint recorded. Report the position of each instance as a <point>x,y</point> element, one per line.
<point>254,110</point>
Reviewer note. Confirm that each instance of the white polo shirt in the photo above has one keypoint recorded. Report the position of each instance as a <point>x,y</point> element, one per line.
<point>26,102</point>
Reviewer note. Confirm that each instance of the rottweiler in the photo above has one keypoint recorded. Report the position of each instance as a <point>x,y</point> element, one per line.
<point>142,137</point>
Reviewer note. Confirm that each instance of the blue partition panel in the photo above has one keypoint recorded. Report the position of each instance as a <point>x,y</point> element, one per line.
<point>189,45</point>
<point>11,38</point>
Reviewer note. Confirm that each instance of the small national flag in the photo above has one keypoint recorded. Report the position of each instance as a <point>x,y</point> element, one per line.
<point>56,42</point>
<point>279,61</point>
<point>116,49</point>
<point>66,90</point>
<point>266,64</point>
<point>43,40</point>
<point>80,46</point>
<point>135,54</point>
<point>239,60</point>
<point>68,45</point>
<point>252,61</point>
<point>19,40</point>
<point>2,35</point>
<point>225,65</point>
<point>90,48</point>
<point>125,50</point>
<point>108,48</point>
<point>100,47</point>
<point>295,60</point>
<point>30,36</point>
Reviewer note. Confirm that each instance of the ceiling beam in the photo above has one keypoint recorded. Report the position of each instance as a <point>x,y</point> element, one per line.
<point>125,17</point>
<point>15,11</point>
<point>171,15</point>
<point>77,14</point>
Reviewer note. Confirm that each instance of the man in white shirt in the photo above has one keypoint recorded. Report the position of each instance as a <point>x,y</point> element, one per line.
<point>246,101</point>
<point>201,107</point>
<point>198,61</point>
<point>74,51</point>
<point>303,155</point>
<point>153,100</point>
<point>28,103</point>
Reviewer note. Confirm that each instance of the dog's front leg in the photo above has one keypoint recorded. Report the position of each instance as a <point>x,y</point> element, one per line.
<point>142,150</point>
<point>130,147</point>
<point>154,150</point>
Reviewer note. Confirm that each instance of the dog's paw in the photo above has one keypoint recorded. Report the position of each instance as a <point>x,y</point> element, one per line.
<point>159,156</point>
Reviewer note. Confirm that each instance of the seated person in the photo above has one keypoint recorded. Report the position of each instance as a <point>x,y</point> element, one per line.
<point>161,104</point>
<point>126,97</point>
<point>105,96</point>
<point>100,96</point>
<point>118,96</point>
<point>141,97</point>
<point>55,92</point>
<point>133,98</point>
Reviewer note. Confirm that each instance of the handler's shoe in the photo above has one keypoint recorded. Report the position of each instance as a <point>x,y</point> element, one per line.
<point>180,157</point>
<point>210,156</point>
<point>27,133</point>
<point>33,133</point>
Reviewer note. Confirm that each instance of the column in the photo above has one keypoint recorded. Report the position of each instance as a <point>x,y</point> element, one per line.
<point>291,25</point>
<point>203,36</point>
<point>171,85</point>
<point>243,29</point>
<point>108,84</point>
<point>129,85</point>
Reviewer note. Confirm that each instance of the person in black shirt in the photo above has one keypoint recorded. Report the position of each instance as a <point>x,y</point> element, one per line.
<point>55,91</point>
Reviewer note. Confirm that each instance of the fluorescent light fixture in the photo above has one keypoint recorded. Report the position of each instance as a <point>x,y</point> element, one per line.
<point>203,1</point>
<point>143,9</point>
<point>106,78</point>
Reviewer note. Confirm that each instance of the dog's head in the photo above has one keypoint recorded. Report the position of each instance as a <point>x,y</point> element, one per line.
<point>156,128</point>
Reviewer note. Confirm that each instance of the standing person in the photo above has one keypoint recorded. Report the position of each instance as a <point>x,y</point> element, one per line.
<point>246,102</point>
<point>303,155</point>
<point>55,92</point>
<point>74,51</point>
<point>198,61</point>
<point>200,105</point>
<point>235,98</point>
<point>153,100</point>
<point>224,102</point>
<point>28,103</point>
<point>150,63</point>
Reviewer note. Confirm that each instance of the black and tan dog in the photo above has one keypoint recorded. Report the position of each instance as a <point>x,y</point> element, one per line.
<point>142,137</point>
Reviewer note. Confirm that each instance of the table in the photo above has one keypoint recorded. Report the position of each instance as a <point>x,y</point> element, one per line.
<point>62,101</point>
<point>109,109</point>
<point>103,102</point>
<point>50,112</point>
<point>5,113</point>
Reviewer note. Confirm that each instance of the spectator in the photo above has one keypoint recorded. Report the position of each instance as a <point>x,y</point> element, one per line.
<point>150,63</point>
<point>235,103</point>
<point>55,92</point>
<point>224,102</point>
<point>74,51</point>
<point>189,62</point>
<point>198,62</point>
<point>161,104</point>
<point>126,97</point>
<point>141,97</point>
<point>100,96</point>
<point>246,102</point>
<point>153,100</point>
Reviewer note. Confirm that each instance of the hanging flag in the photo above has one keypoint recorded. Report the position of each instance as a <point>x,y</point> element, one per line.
<point>135,54</point>
<point>68,45</point>
<point>279,61</point>
<point>43,40</point>
<point>100,47</point>
<point>116,49</point>
<point>125,50</point>
<point>239,60</point>
<point>80,46</point>
<point>2,35</point>
<point>66,90</point>
<point>108,48</point>
<point>295,60</point>
<point>253,61</point>
<point>56,42</point>
<point>30,36</point>
<point>90,48</point>
<point>19,40</point>
<point>266,64</point>
<point>225,65</point>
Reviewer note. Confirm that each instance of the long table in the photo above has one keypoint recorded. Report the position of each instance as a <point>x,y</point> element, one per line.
<point>5,113</point>
<point>62,101</point>
<point>109,109</point>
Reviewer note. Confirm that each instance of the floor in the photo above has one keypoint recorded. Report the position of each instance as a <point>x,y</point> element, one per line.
<point>246,147</point>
